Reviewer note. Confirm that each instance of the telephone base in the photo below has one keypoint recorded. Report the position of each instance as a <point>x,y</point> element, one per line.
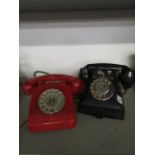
<point>100,109</point>
<point>88,110</point>
<point>51,126</point>
<point>105,115</point>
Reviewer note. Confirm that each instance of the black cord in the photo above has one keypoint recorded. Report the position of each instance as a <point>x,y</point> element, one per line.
<point>22,124</point>
<point>39,72</point>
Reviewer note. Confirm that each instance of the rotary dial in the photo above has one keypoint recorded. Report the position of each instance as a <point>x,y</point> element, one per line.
<point>51,101</point>
<point>101,89</point>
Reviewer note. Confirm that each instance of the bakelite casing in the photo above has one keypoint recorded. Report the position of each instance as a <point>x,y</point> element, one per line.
<point>121,77</point>
<point>66,118</point>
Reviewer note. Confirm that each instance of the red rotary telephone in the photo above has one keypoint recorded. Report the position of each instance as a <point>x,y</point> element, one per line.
<point>52,106</point>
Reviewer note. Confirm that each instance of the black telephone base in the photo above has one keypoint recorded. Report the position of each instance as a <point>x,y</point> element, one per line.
<point>93,112</point>
<point>118,116</point>
<point>101,109</point>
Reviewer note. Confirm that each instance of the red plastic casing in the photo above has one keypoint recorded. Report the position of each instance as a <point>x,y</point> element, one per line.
<point>66,118</point>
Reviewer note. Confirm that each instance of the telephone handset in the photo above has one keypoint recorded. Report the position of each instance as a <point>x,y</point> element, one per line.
<point>105,85</point>
<point>52,106</point>
<point>31,84</point>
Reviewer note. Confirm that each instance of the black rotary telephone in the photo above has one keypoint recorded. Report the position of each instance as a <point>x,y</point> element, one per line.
<point>105,85</point>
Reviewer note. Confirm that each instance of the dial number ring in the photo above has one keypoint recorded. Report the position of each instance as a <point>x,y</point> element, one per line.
<point>101,89</point>
<point>51,101</point>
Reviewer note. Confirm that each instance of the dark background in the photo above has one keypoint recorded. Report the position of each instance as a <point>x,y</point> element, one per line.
<point>74,5</point>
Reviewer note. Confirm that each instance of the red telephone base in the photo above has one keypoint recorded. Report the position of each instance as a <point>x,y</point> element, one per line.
<point>68,123</point>
<point>39,121</point>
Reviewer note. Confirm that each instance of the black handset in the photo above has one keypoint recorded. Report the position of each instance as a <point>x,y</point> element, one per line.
<point>105,85</point>
<point>123,73</point>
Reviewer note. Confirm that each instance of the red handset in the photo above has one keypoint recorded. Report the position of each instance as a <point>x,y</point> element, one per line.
<point>52,105</point>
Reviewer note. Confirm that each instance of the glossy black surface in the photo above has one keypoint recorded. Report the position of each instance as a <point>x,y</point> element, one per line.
<point>122,78</point>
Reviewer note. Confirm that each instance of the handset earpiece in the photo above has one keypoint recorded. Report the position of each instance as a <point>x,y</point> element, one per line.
<point>27,87</point>
<point>127,78</point>
<point>77,86</point>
